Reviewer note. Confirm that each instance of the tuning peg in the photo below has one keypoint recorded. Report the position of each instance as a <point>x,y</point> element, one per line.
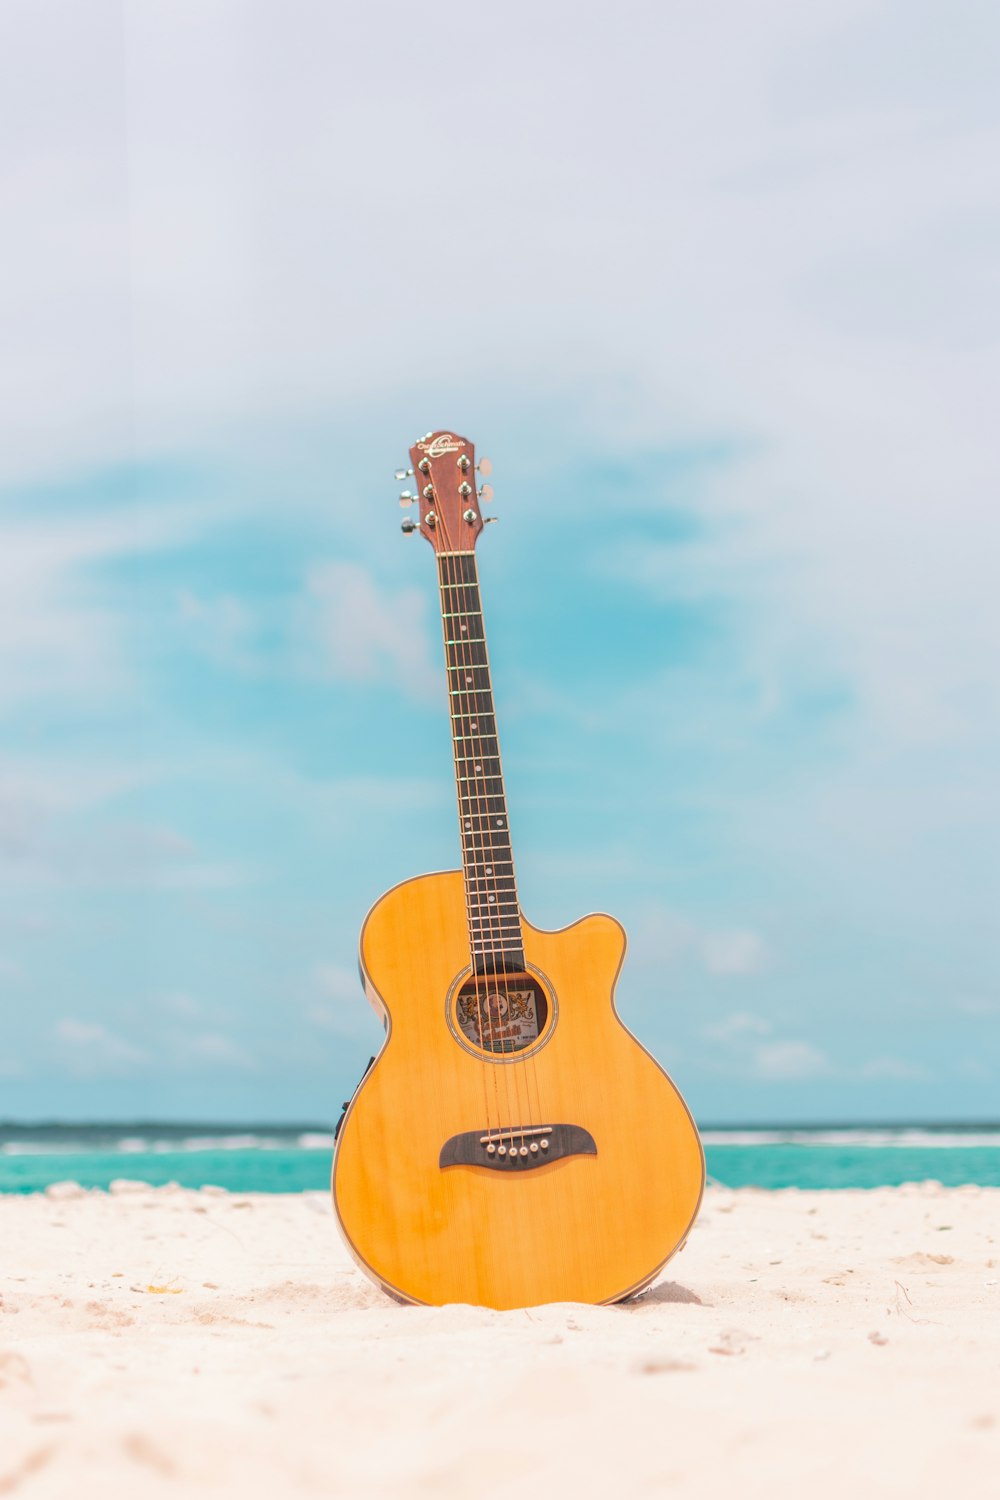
<point>485,467</point>
<point>408,526</point>
<point>486,493</point>
<point>402,474</point>
<point>488,520</point>
<point>406,498</point>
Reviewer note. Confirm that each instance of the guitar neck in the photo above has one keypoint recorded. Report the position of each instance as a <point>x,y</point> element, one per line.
<point>487,859</point>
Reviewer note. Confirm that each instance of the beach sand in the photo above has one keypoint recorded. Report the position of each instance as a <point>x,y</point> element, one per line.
<point>169,1342</point>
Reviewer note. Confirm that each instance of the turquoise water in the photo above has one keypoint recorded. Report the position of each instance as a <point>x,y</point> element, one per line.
<point>291,1161</point>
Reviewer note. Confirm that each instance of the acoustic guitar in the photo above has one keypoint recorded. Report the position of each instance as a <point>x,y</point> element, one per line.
<point>512,1143</point>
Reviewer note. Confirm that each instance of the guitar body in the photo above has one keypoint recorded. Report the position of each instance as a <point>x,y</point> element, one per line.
<point>601,1172</point>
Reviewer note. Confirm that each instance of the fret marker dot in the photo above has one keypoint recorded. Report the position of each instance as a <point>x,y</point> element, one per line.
<point>489,869</point>
<point>475,726</point>
<point>468,679</point>
<point>499,822</point>
<point>463,627</point>
<point>491,898</point>
<point>479,768</point>
<point>468,823</point>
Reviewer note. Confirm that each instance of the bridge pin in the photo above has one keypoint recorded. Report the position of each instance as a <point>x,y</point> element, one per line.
<point>502,1150</point>
<point>534,1148</point>
<point>491,1150</point>
<point>544,1144</point>
<point>524,1150</point>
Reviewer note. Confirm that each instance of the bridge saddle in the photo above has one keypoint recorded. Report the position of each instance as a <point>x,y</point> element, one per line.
<point>516,1148</point>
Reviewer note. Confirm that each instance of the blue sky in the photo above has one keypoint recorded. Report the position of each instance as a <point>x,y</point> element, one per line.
<point>723,314</point>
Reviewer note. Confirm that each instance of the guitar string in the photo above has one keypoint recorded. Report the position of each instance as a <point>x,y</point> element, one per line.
<point>516,1065</point>
<point>492,929</point>
<point>446,606</point>
<point>524,1067</point>
<point>479,991</point>
<point>494,934</point>
<point>486,931</point>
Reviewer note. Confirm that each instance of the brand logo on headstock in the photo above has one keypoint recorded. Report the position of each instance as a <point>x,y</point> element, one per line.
<point>439,446</point>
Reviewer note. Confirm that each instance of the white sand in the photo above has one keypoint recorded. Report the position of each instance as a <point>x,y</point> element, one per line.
<point>804,1344</point>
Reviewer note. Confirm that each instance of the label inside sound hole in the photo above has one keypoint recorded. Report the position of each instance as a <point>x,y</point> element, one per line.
<point>501,1012</point>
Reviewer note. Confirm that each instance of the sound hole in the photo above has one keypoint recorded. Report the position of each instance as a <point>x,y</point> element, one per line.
<point>502,1012</point>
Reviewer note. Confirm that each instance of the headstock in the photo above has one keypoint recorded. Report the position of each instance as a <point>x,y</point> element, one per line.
<point>444,469</point>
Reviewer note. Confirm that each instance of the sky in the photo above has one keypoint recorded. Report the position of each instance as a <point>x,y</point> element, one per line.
<point>715,287</point>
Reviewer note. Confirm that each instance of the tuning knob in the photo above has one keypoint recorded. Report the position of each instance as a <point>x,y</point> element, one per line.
<point>488,520</point>
<point>407,498</point>
<point>486,494</point>
<point>402,474</point>
<point>408,526</point>
<point>485,467</point>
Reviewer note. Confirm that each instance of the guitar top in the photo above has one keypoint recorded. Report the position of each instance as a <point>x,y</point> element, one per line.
<point>512,1143</point>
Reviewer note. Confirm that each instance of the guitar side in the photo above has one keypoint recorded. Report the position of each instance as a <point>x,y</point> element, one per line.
<point>584,1227</point>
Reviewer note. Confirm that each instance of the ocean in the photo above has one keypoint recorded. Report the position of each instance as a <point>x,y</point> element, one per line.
<point>291,1159</point>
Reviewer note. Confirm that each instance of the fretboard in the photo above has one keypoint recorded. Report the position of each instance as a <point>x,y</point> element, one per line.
<point>487,860</point>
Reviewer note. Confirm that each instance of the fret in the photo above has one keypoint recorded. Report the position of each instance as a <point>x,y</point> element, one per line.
<point>491,894</point>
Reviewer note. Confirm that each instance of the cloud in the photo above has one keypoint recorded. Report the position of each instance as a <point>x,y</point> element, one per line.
<point>810,273</point>
<point>213,1049</point>
<point>89,1049</point>
<point>180,1004</point>
<point>780,1060</point>
<point>978,1005</point>
<point>749,1047</point>
<point>892,1068</point>
<point>342,1009</point>
<point>56,641</point>
<point>667,935</point>
<point>736,1028</point>
<point>224,629</point>
<point>338,983</point>
<point>733,953</point>
<point>354,630</point>
<point>43,843</point>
